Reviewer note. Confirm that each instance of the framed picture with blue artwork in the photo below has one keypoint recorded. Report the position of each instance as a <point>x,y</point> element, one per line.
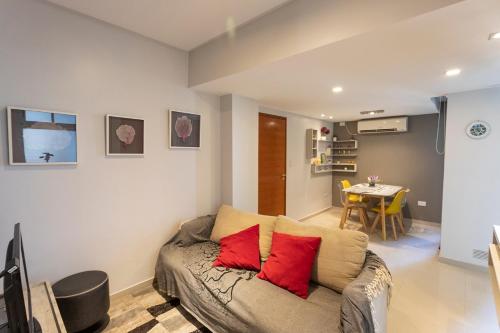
<point>41,137</point>
<point>124,136</point>
<point>184,129</point>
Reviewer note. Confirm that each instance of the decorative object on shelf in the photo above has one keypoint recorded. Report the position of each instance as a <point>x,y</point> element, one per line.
<point>334,138</point>
<point>324,132</point>
<point>323,158</point>
<point>373,180</point>
<point>478,129</point>
<point>40,137</point>
<point>124,136</point>
<point>315,161</point>
<point>185,130</point>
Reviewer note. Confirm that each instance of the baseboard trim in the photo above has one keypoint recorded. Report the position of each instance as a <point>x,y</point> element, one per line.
<point>426,223</point>
<point>417,221</point>
<point>462,264</point>
<point>315,213</point>
<point>132,288</point>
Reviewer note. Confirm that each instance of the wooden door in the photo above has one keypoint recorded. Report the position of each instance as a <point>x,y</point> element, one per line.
<point>272,165</point>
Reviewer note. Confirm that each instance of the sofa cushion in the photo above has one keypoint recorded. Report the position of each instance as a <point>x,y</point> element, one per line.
<point>290,263</point>
<point>230,221</point>
<point>340,256</point>
<point>240,250</point>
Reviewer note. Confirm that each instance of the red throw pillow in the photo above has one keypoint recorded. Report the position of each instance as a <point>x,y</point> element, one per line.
<point>240,250</point>
<point>290,263</point>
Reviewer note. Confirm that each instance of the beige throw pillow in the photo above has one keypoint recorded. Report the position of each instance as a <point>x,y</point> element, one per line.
<point>341,254</point>
<point>230,221</point>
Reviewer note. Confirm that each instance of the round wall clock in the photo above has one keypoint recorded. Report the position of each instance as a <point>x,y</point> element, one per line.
<point>478,129</point>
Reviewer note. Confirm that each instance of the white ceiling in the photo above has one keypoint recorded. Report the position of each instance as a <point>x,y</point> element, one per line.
<point>396,69</point>
<point>184,24</point>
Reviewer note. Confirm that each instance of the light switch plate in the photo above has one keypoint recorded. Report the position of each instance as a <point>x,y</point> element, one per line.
<point>422,203</point>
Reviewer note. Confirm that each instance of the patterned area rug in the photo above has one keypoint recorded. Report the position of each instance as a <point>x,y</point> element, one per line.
<point>147,311</point>
<point>170,317</point>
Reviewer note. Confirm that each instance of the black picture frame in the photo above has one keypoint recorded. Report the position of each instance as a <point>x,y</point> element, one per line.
<point>124,136</point>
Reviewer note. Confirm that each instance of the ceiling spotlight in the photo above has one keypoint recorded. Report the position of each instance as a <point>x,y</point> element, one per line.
<point>372,113</point>
<point>453,72</point>
<point>323,115</point>
<point>337,89</point>
<point>330,117</point>
<point>495,35</point>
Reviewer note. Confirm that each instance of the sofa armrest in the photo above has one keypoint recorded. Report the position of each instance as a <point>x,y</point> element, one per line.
<point>194,231</point>
<point>365,300</point>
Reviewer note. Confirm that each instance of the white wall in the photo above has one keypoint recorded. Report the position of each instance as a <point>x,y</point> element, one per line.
<point>471,176</point>
<point>245,153</point>
<point>305,193</point>
<point>226,124</point>
<point>106,213</point>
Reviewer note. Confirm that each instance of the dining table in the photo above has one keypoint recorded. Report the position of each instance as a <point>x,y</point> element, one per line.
<point>364,190</point>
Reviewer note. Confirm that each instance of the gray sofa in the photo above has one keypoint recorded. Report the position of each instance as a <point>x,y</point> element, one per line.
<point>231,300</point>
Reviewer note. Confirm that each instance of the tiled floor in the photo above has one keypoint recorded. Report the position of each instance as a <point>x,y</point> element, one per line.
<point>144,310</point>
<point>428,296</point>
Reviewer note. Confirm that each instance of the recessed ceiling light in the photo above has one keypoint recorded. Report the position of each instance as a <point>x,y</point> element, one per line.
<point>330,117</point>
<point>453,72</point>
<point>495,35</point>
<point>323,115</point>
<point>337,89</point>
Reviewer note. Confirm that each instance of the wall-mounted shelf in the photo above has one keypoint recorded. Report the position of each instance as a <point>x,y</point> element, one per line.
<point>344,155</point>
<point>334,167</point>
<point>315,145</point>
<point>345,144</point>
<point>311,143</point>
<point>344,141</point>
<point>339,151</point>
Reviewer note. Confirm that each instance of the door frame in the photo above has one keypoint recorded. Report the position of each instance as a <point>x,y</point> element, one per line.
<point>263,114</point>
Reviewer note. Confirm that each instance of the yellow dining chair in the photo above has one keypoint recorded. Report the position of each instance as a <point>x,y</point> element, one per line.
<point>353,198</point>
<point>403,204</point>
<point>355,202</point>
<point>394,211</point>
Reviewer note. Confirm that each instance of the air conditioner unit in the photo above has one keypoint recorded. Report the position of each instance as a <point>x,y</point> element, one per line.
<point>384,125</point>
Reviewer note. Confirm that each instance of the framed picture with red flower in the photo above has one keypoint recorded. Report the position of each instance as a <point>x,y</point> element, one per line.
<point>124,136</point>
<point>184,130</point>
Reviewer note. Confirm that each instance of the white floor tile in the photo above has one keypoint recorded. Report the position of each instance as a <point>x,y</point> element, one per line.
<point>428,296</point>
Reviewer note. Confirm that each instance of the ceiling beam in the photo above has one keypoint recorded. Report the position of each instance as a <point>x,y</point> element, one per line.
<point>297,27</point>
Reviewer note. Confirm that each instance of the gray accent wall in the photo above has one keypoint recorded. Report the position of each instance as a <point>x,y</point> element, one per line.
<point>407,159</point>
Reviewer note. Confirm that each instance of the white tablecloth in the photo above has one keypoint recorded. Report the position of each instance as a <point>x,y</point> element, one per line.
<point>379,189</point>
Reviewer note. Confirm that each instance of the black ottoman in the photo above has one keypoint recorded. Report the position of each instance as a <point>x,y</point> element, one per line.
<point>83,301</point>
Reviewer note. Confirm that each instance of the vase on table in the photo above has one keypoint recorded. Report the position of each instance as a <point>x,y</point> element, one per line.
<point>373,180</point>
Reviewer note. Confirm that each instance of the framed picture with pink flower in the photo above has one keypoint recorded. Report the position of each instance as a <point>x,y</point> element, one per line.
<point>124,136</point>
<point>184,129</point>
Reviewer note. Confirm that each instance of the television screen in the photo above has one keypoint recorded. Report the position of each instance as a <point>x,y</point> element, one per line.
<point>17,293</point>
<point>41,137</point>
